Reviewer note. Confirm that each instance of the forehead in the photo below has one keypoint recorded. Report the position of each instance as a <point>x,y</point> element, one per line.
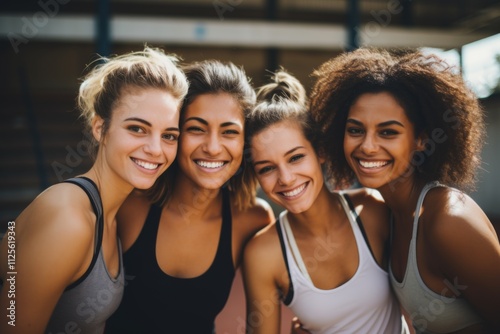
<point>377,106</point>
<point>221,107</point>
<point>146,102</point>
<point>279,137</point>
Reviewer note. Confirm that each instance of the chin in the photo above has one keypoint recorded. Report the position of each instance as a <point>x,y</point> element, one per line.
<point>143,185</point>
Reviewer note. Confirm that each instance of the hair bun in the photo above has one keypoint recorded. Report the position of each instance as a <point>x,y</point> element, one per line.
<point>284,86</point>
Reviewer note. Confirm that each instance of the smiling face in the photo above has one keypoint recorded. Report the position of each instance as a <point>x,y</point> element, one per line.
<point>141,141</point>
<point>379,140</point>
<point>287,167</point>
<point>211,144</point>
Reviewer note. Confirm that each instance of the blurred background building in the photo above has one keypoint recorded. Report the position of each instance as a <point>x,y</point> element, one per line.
<point>46,45</point>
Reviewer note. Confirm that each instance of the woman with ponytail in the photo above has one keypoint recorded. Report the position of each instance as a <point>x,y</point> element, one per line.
<point>325,257</point>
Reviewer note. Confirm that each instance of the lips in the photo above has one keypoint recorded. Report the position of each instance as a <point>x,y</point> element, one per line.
<point>294,192</point>
<point>145,164</point>
<point>372,164</point>
<point>210,164</point>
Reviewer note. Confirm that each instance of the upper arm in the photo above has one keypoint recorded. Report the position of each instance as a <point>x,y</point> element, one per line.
<point>262,295</point>
<point>247,223</point>
<point>468,251</point>
<point>263,214</point>
<point>53,245</point>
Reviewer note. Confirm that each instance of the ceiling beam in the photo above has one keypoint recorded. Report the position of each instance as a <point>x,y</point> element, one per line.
<point>20,29</point>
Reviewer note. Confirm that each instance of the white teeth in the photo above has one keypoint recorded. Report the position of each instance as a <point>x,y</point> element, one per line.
<point>372,164</point>
<point>209,164</point>
<point>145,164</point>
<point>294,192</point>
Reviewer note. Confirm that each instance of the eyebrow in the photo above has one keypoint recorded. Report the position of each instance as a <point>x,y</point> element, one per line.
<point>286,153</point>
<point>201,120</point>
<point>383,124</point>
<point>143,121</point>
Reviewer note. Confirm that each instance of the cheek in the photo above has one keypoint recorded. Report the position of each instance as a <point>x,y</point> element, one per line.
<point>185,146</point>
<point>236,149</point>
<point>266,183</point>
<point>171,152</point>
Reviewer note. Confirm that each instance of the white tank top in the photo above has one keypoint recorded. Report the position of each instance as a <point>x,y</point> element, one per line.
<point>430,312</point>
<point>364,304</point>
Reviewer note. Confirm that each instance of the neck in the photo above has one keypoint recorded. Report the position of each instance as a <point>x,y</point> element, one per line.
<point>113,192</point>
<point>401,197</point>
<point>320,217</point>
<point>193,202</point>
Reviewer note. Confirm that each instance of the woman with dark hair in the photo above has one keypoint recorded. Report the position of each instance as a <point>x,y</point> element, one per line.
<point>406,124</point>
<point>183,245</point>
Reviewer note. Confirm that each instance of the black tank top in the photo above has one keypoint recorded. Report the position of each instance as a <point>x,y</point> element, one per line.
<point>155,302</point>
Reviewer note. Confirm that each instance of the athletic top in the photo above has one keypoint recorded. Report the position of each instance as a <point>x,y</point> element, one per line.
<point>87,303</point>
<point>155,302</point>
<point>429,311</point>
<point>364,304</point>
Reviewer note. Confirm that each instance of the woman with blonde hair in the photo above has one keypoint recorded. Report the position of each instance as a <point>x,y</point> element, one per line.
<point>68,273</point>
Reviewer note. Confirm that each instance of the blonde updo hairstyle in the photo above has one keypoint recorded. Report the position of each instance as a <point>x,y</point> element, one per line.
<point>103,86</point>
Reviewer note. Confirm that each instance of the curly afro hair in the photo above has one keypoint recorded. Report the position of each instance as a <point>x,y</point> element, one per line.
<point>434,96</point>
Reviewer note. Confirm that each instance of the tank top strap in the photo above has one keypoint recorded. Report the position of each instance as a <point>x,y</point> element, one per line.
<point>148,235</point>
<point>420,201</point>
<point>287,298</point>
<point>92,192</point>
<point>350,210</point>
<point>294,249</point>
<point>226,230</point>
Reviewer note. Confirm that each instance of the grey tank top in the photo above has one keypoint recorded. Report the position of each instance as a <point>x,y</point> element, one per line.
<point>86,304</point>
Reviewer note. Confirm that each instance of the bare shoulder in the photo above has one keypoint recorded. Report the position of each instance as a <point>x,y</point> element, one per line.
<point>131,218</point>
<point>371,207</point>
<point>452,216</point>
<point>57,229</point>
<point>264,243</point>
<point>369,198</point>
<point>255,217</point>
<point>63,206</point>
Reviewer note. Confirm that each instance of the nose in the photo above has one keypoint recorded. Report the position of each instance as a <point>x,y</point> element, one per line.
<point>153,146</point>
<point>213,145</point>
<point>286,177</point>
<point>369,144</point>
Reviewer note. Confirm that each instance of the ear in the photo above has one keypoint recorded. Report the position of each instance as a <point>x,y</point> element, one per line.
<point>97,128</point>
<point>420,141</point>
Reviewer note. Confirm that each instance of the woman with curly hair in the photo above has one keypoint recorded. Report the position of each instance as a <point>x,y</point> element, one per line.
<point>406,124</point>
